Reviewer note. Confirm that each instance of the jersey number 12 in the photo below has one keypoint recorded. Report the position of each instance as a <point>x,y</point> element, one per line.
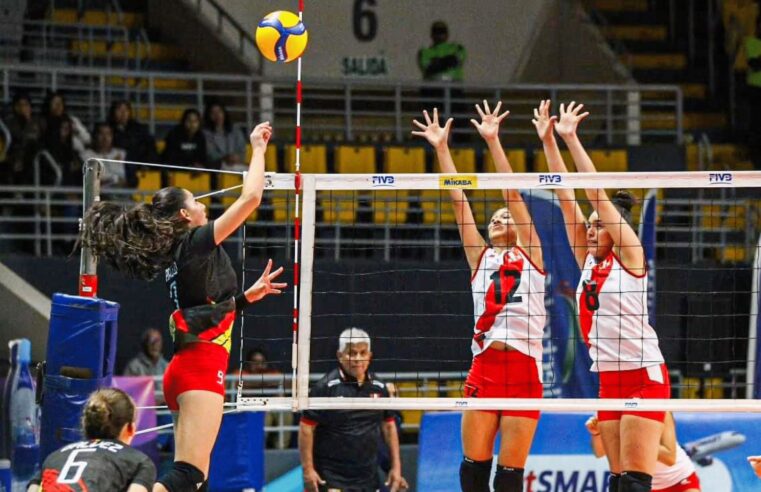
<point>501,283</point>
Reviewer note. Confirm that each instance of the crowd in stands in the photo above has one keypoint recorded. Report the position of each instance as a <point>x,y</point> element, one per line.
<point>208,142</point>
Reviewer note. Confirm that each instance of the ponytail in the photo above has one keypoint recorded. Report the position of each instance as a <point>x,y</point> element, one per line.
<point>137,241</point>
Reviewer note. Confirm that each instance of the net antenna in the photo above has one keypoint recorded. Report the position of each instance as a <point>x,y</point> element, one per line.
<point>88,263</point>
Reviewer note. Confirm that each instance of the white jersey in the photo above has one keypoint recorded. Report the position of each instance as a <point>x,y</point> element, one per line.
<point>508,302</point>
<point>612,304</point>
<point>667,476</point>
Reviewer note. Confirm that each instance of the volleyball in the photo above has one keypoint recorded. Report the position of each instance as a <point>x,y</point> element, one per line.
<point>281,36</point>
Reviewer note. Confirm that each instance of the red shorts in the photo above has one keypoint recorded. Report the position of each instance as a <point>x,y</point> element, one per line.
<point>648,382</point>
<point>504,374</point>
<point>196,366</point>
<point>689,483</point>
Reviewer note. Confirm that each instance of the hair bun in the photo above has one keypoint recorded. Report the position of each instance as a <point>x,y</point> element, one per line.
<point>624,199</point>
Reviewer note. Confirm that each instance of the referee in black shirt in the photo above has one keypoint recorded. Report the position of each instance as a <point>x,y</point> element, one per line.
<point>339,448</point>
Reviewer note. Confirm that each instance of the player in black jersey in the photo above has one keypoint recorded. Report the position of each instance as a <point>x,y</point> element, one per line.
<point>173,236</point>
<point>105,461</point>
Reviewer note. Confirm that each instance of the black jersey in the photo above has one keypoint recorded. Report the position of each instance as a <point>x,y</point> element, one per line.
<point>95,466</point>
<point>346,441</point>
<point>202,285</point>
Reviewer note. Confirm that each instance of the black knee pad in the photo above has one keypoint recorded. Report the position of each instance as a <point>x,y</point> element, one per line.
<point>508,479</point>
<point>474,475</point>
<point>183,477</point>
<point>615,478</point>
<point>632,481</point>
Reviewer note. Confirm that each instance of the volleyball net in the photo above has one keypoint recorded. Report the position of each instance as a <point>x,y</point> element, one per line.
<point>382,252</point>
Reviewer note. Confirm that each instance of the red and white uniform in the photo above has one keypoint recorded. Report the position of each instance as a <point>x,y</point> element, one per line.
<point>508,302</point>
<point>679,476</point>
<point>613,317</point>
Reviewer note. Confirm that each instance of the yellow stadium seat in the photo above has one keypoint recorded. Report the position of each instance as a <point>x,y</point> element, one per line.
<point>610,161</point>
<point>710,217</point>
<point>148,182</point>
<point>453,388</point>
<point>228,181</point>
<point>437,207</point>
<point>540,161</point>
<point>690,388</point>
<point>735,216</point>
<point>314,159</point>
<point>516,157</point>
<point>464,159</point>
<point>398,160</point>
<point>270,157</point>
<point>713,388</point>
<point>390,207</point>
<point>484,204</point>
<point>733,253</point>
<point>160,146</point>
<point>196,183</point>
<point>282,203</point>
<point>340,206</point>
<point>416,390</point>
<point>355,159</point>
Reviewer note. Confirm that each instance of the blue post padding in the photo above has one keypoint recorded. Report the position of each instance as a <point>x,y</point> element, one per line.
<point>62,402</point>
<point>82,334</point>
<point>237,462</point>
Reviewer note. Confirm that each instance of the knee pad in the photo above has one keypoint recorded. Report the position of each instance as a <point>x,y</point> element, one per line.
<point>632,481</point>
<point>474,475</point>
<point>613,482</point>
<point>183,477</point>
<point>508,479</point>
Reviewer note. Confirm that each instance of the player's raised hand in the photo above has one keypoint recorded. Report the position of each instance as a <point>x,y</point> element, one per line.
<point>488,128</point>
<point>261,135</point>
<point>264,285</point>
<point>543,122</point>
<point>432,131</point>
<point>570,118</point>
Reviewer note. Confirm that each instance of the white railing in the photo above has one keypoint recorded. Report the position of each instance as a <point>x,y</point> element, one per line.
<point>351,110</point>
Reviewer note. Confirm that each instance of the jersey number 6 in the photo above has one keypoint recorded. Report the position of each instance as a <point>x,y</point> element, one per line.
<point>500,280</point>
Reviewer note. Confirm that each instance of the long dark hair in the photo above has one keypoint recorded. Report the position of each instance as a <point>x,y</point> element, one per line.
<point>208,124</point>
<point>138,240</point>
<point>106,413</point>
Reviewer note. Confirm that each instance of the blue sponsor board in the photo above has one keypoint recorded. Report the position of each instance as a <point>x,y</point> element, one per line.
<point>561,459</point>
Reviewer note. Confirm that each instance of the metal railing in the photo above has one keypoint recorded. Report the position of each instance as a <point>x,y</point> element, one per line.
<point>701,226</point>
<point>351,110</point>
<point>7,140</point>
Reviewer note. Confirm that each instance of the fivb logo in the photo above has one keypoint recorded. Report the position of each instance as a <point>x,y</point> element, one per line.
<point>720,178</point>
<point>383,181</point>
<point>550,179</point>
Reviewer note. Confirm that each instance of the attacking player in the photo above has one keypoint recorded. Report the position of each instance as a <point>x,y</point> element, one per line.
<point>508,296</point>
<point>173,236</point>
<point>105,460</point>
<point>612,303</point>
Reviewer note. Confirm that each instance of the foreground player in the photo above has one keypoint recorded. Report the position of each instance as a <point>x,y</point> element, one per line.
<point>674,471</point>
<point>508,299</point>
<point>173,236</point>
<point>105,461</point>
<point>612,303</point>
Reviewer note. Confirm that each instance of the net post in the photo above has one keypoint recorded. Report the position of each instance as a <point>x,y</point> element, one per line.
<point>88,264</point>
<point>301,351</point>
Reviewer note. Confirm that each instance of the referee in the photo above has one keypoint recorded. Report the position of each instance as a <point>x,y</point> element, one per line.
<point>339,448</point>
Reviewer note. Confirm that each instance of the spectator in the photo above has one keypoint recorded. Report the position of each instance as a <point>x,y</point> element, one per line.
<point>442,61</point>
<point>25,136</point>
<point>185,143</point>
<point>131,136</point>
<point>225,146</point>
<point>54,107</point>
<point>58,139</point>
<point>150,361</point>
<point>339,449</point>
<point>114,174</point>
<point>256,366</point>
